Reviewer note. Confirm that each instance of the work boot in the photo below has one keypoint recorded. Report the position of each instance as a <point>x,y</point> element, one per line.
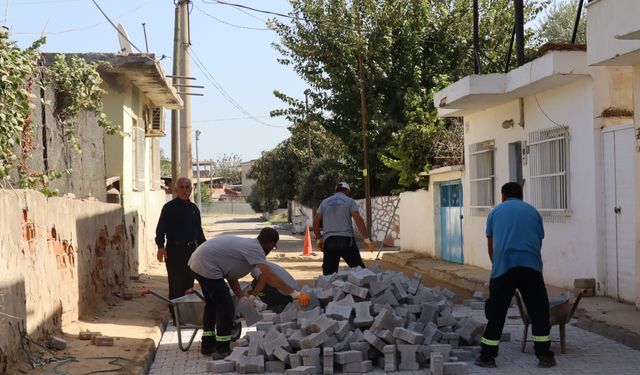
<point>485,361</point>
<point>218,355</point>
<point>208,345</point>
<point>546,361</point>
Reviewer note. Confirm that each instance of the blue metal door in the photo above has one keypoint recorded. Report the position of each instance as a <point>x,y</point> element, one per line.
<point>451,221</point>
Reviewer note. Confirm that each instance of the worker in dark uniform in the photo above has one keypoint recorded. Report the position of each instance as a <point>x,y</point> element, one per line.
<point>514,241</point>
<point>181,224</point>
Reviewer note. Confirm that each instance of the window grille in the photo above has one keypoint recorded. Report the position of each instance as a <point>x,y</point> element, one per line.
<point>138,157</point>
<point>482,176</point>
<point>549,171</point>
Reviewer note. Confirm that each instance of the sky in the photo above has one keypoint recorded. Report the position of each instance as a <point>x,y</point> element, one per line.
<point>233,45</point>
<point>239,58</point>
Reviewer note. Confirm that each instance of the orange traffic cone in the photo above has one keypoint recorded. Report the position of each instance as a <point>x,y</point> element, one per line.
<point>307,249</point>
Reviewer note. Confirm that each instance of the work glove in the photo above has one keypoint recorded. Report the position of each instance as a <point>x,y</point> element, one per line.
<point>303,298</point>
<point>369,245</point>
<point>320,245</point>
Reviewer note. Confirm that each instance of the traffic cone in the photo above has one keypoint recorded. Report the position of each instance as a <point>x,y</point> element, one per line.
<point>307,249</point>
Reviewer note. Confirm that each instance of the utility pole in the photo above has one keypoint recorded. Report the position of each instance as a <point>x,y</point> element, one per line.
<point>306,106</point>
<point>519,18</point>
<point>175,152</point>
<point>199,191</point>
<point>365,140</point>
<point>185,114</point>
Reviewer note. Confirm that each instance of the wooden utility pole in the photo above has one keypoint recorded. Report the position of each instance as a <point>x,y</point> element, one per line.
<point>306,106</point>
<point>186,161</point>
<point>519,18</point>
<point>365,140</point>
<point>175,152</point>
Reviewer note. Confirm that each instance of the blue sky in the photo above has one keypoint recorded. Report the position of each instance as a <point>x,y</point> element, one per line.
<point>241,60</point>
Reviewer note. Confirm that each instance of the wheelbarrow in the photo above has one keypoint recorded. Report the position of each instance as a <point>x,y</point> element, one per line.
<point>189,311</point>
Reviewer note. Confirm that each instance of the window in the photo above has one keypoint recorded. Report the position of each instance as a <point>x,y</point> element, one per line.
<point>549,171</point>
<point>138,135</point>
<point>482,176</point>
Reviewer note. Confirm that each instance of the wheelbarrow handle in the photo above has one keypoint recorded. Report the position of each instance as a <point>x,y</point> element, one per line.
<point>146,291</point>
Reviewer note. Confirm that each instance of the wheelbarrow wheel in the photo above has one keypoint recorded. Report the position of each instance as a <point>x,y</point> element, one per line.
<point>236,331</point>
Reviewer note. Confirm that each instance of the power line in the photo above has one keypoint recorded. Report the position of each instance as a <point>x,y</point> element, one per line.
<point>228,23</point>
<point>116,27</point>
<point>228,119</point>
<point>223,92</point>
<point>42,2</point>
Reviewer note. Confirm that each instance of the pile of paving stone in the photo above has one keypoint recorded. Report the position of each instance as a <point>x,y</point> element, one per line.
<point>358,319</point>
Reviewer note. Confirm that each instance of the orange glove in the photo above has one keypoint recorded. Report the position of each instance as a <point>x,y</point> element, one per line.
<point>369,245</point>
<point>320,245</point>
<point>303,298</point>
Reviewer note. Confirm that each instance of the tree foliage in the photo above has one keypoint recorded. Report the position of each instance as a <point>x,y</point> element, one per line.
<point>229,167</point>
<point>557,26</point>
<point>409,50</point>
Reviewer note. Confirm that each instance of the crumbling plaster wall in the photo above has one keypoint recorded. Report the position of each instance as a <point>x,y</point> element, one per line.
<point>59,258</point>
<point>385,215</point>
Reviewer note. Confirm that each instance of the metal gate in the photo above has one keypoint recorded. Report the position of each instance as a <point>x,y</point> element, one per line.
<point>619,207</point>
<point>451,221</point>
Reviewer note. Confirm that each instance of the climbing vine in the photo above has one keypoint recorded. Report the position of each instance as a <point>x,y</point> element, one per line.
<point>77,89</point>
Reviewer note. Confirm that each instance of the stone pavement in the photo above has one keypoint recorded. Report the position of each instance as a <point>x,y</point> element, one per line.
<point>587,353</point>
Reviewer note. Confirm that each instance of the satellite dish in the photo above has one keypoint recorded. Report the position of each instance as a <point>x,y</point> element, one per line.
<point>123,39</point>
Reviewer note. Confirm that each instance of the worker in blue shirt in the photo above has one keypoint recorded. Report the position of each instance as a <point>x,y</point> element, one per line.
<point>514,241</point>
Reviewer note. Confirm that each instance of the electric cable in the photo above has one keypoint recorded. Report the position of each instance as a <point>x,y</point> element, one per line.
<point>231,24</point>
<point>223,92</point>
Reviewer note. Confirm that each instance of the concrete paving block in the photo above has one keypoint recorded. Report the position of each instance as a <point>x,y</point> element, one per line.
<point>386,336</point>
<point>325,296</point>
<point>100,341</point>
<point>429,332</point>
<point>339,311</point>
<point>361,346</point>
<point>338,283</point>
<point>376,287</point>
<point>311,357</point>
<point>408,358</point>
<point>313,340</point>
<point>309,314</point>
<point>358,367</point>
<point>384,320</point>
<point>470,330</point>
<point>87,335</point>
<point>274,366</point>
<point>449,294</point>
<point>237,354</point>
<point>301,370</point>
<point>362,277</point>
<point>401,310</point>
<point>429,312</point>
<point>372,339</point>
<point>363,318</point>
<point>455,368</point>
<point>423,354</point>
<point>399,290</point>
<point>348,356</point>
<point>256,339</point>
<point>446,321</point>
<point>355,290</point>
<point>268,316</point>
<point>251,365</point>
<point>390,358</point>
<point>327,361</point>
<point>295,360</point>
<point>436,363</point>
<point>249,313</point>
<point>477,305</point>
<point>478,295</point>
<point>221,366</point>
<point>330,342</point>
<point>386,298</point>
<point>462,354</point>
<point>322,282</point>
<point>282,354</point>
<point>444,349</point>
<point>283,327</point>
<point>264,326</point>
<point>343,328</point>
<point>274,340</point>
<point>410,337</point>
<point>324,323</point>
<point>414,283</point>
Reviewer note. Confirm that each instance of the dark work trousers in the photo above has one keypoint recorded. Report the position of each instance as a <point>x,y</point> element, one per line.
<point>178,273</point>
<point>275,300</point>
<point>336,247</point>
<point>530,283</point>
<point>219,310</point>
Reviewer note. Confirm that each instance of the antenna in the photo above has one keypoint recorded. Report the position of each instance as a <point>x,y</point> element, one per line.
<point>123,39</point>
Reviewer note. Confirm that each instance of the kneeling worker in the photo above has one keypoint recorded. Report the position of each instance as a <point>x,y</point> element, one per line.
<point>231,258</point>
<point>275,298</point>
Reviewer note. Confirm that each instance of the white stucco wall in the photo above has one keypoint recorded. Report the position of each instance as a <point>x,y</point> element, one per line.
<point>575,240</point>
<point>608,20</point>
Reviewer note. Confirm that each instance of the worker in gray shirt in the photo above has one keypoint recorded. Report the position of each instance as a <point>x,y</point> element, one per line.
<point>337,240</point>
<point>231,258</point>
<point>275,298</point>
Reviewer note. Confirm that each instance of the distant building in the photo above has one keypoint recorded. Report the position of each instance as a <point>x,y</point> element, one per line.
<point>247,183</point>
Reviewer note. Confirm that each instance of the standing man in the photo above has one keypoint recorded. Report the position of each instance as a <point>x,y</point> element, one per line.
<point>231,258</point>
<point>180,222</point>
<point>514,241</point>
<point>337,239</point>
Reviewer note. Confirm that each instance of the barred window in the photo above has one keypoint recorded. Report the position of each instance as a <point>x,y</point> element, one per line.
<point>482,176</point>
<point>549,171</point>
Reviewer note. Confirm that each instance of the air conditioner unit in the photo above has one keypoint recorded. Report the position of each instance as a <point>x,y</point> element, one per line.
<point>155,126</point>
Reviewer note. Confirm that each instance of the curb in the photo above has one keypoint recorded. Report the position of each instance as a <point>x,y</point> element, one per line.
<point>150,356</point>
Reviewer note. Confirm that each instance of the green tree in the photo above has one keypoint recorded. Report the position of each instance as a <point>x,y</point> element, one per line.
<point>557,26</point>
<point>229,167</point>
<point>165,164</point>
<point>409,48</point>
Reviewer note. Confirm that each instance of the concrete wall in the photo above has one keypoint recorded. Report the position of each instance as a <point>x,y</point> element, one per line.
<point>58,258</point>
<point>420,214</point>
<point>605,36</point>
<point>385,222</point>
